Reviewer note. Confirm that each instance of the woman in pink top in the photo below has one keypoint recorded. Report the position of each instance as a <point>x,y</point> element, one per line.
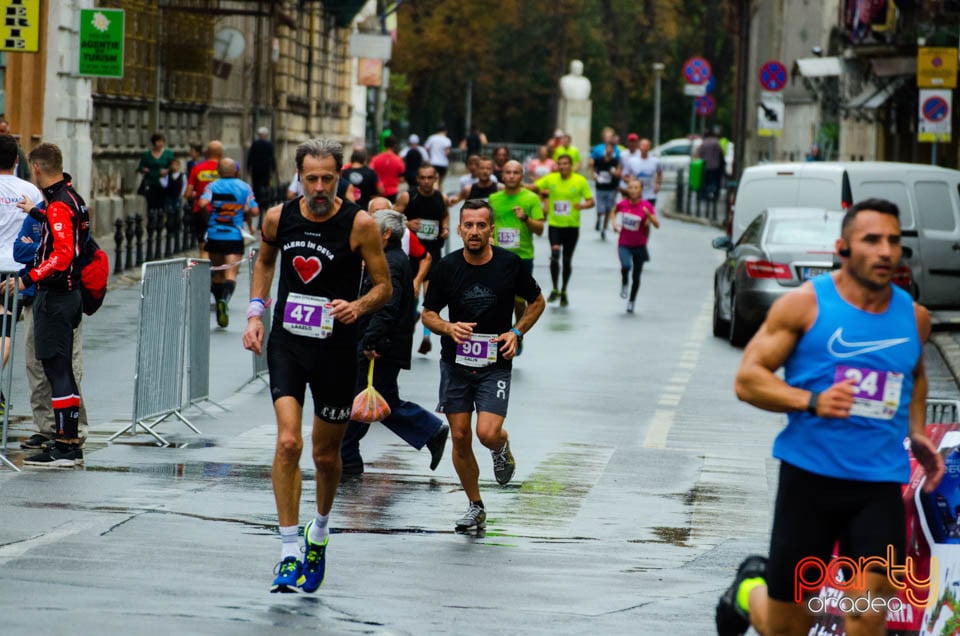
<point>636,217</point>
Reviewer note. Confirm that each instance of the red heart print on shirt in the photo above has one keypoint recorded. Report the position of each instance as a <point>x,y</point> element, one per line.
<point>307,268</point>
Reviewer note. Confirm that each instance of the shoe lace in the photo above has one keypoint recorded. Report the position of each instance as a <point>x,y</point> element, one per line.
<point>473,512</point>
<point>313,555</point>
<point>499,460</point>
<point>285,567</point>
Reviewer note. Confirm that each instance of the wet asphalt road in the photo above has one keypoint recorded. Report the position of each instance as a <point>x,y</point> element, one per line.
<point>641,482</point>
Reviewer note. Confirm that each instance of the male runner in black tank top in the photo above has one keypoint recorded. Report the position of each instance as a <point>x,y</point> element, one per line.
<point>485,185</point>
<point>428,216</point>
<point>321,241</point>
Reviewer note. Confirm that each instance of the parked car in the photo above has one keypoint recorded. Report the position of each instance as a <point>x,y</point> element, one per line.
<point>779,250</point>
<point>928,198</point>
<point>676,154</point>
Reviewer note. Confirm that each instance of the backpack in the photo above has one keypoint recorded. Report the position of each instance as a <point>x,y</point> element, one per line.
<point>94,272</point>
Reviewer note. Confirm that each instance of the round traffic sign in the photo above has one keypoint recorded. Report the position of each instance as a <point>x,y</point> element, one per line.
<point>705,105</point>
<point>697,70</point>
<point>773,76</point>
<point>935,109</point>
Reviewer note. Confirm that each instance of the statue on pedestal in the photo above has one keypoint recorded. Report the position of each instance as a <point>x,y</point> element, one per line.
<point>575,109</point>
<point>574,85</point>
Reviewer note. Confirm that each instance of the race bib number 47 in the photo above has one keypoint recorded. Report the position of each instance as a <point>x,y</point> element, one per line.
<point>876,394</point>
<point>308,316</point>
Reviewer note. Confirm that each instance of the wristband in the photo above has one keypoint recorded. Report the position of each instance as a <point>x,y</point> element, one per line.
<point>517,333</point>
<point>256,308</point>
<point>812,404</point>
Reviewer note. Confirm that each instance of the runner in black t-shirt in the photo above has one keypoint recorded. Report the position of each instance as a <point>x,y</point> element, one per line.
<point>606,174</point>
<point>478,284</point>
<point>363,178</point>
<point>485,185</point>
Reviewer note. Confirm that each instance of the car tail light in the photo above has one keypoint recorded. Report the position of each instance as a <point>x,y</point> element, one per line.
<point>903,277</point>
<point>766,269</point>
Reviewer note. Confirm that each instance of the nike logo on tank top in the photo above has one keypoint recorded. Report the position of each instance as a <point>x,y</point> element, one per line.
<point>879,353</point>
<point>316,267</point>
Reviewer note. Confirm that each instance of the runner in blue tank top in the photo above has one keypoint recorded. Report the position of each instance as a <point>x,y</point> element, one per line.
<point>855,389</point>
<point>320,240</point>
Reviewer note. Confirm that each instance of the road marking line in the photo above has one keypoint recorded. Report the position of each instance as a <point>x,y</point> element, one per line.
<point>659,429</point>
<point>18,549</point>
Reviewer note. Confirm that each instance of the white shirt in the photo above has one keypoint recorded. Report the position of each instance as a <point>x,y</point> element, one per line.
<point>646,170</point>
<point>12,191</point>
<point>437,146</point>
<point>295,188</point>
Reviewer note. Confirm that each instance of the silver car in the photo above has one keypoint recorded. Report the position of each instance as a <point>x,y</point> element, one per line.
<point>778,251</point>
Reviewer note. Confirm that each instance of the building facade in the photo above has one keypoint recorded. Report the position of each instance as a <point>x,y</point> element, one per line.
<point>194,70</point>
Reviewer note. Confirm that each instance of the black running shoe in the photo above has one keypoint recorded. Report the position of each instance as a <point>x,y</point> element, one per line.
<point>731,620</point>
<point>436,444</point>
<point>35,442</point>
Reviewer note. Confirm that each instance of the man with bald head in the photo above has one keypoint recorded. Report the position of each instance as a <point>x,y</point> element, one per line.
<point>517,216</point>
<point>202,175</point>
<point>227,203</point>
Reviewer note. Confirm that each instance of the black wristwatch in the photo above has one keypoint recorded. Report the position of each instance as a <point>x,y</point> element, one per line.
<point>812,404</point>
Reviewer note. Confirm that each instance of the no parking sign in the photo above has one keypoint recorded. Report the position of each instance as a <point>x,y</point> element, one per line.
<point>935,115</point>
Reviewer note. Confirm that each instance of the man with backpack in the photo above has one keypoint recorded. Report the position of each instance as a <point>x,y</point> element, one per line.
<point>58,305</point>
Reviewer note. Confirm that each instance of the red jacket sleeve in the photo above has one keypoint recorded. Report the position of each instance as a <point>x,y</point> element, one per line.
<point>60,222</point>
<point>417,250</point>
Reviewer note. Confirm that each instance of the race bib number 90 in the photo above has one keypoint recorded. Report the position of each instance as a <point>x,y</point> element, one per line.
<point>876,394</point>
<point>479,351</point>
<point>308,316</point>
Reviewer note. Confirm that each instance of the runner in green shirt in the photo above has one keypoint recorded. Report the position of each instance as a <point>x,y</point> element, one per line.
<point>569,193</point>
<point>517,216</point>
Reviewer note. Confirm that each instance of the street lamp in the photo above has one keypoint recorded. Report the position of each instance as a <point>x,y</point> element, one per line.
<point>657,71</point>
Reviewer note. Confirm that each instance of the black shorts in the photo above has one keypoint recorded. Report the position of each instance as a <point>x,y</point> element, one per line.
<point>435,250</point>
<point>465,390</point>
<point>814,512</point>
<point>201,221</point>
<point>566,237</point>
<point>224,247</point>
<point>441,172</point>
<point>296,361</point>
<point>55,316</point>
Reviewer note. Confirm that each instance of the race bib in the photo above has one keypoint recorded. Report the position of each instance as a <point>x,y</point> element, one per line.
<point>604,177</point>
<point>562,208</point>
<point>876,393</point>
<point>479,351</point>
<point>631,222</point>
<point>308,316</point>
<point>508,238</point>
<point>429,230</point>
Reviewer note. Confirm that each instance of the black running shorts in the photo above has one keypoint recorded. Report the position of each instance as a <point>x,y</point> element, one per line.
<point>465,390</point>
<point>565,237</point>
<point>814,512</point>
<point>55,316</point>
<point>224,247</point>
<point>296,361</point>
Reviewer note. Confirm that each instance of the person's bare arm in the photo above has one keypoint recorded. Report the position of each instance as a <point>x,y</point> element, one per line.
<point>403,200</point>
<point>459,331</point>
<point>422,270</point>
<point>585,205</point>
<point>262,278</point>
<point>365,239</point>
<point>923,449</point>
<point>756,380</point>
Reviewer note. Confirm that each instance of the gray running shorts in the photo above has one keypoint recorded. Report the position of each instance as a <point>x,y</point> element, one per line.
<point>465,390</point>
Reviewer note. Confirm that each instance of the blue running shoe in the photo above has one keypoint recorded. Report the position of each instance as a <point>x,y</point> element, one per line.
<point>288,572</point>
<point>314,561</point>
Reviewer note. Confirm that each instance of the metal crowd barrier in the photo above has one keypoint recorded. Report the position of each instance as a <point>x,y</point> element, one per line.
<point>9,297</point>
<point>161,339</point>
<point>198,335</point>
<point>260,370</point>
<point>942,411</point>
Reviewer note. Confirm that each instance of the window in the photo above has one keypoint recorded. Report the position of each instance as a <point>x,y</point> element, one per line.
<point>894,191</point>
<point>934,206</point>
<point>678,150</point>
<point>817,231</point>
<point>752,234</point>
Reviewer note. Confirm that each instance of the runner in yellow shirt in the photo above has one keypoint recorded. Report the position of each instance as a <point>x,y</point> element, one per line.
<point>568,194</point>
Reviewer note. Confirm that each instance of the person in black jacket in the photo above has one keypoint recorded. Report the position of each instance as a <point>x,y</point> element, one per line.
<point>387,337</point>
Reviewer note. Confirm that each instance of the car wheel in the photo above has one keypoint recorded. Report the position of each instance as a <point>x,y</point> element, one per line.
<point>721,327</point>
<point>739,329</point>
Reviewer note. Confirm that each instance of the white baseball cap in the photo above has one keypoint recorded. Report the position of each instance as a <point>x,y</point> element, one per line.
<point>413,139</point>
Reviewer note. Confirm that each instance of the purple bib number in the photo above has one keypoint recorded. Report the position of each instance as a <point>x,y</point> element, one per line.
<point>307,316</point>
<point>479,351</point>
<point>876,393</point>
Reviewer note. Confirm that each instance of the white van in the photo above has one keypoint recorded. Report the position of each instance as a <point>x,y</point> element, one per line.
<point>928,198</point>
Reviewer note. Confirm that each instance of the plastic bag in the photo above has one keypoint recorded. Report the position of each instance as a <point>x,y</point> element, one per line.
<point>369,406</point>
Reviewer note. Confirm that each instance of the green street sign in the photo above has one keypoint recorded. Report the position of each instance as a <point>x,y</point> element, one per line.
<point>101,42</point>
